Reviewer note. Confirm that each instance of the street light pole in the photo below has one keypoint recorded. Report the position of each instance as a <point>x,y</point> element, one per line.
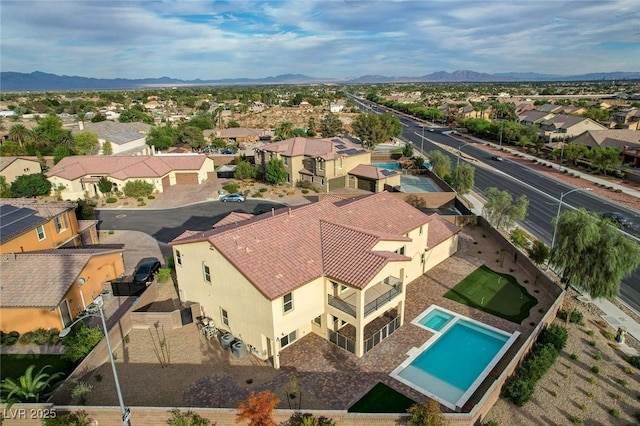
<point>555,228</point>
<point>97,305</point>
<point>422,141</point>
<point>459,148</point>
<point>501,124</point>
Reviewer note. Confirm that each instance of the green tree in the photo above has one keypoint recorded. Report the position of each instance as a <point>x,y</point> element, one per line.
<point>463,178</point>
<point>440,163</point>
<point>202,122</point>
<point>11,148</point>
<point>5,190</point>
<point>188,418</point>
<point>233,124</point>
<point>244,170</point>
<point>85,143</point>
<point>161,137</point>
<point>373,129</point>
<point>331,125</point>
<point>572,152</point>
<point>28,388</point>
<point>283,131</point>
<point>191,136</point>
<point>86,209</point>
<point>539,252</point>
<point>138,188</point>
<point>276,172</point>
<point>501,211</point>
<point>107,148</point>
<point>407,150</point>
<point>19,133</point>
<point>105,185</point>
<point>605,157</point>
<point>135,114</point>
<point>97,118</point>
<point>29,186</point>
<point>592,254</point>
<point>418,162</point>
<point>428,414</point>
<point>81,341</point>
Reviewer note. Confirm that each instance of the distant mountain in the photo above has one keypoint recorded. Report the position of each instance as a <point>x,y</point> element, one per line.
<point>40,81</point>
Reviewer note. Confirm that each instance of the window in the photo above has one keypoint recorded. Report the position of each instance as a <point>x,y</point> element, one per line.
<point>288,339</point>
<point>317,320</point>
<point>287,301</point>
<point>422,258</point>
<point>178,257</point>
<point>285,161</point>
<point>40,232</point>
<point>400,250</point>
<point>343,288</point>
<point>60,223</point>
<point>421,230</point>
<point>224,316</point>
<point>340,162</point>
<point>207,273</point>
<point>320,165</point>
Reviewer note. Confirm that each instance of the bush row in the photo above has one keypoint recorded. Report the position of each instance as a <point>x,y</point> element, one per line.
<point>39,336</point>
<point>519,388</point>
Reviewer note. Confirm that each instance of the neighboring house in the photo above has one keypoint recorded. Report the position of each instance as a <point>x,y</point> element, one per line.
<point>336,106</point>
<point>79,175</point>
<point>531,117</point>
<point>48,289</point>
<point>628,118</point>
<point>331,268</point>
<point>549,108</point>
<point>562,126</point>
<point>627,142</point>
<point>12,167</point>
<point>573,110</point>
<point>236,135</point>
<point>324,162</point>
<point>30,225</point>
<point>123,136</point>
<point>373,179</point>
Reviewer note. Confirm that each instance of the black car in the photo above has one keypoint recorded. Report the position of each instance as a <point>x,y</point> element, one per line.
<point>497,158</point>
<point>619,218</point>
<point>146,269</point>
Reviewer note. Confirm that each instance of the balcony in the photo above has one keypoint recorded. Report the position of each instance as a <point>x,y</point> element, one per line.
<point>375,297</point>
<point>342,305</point>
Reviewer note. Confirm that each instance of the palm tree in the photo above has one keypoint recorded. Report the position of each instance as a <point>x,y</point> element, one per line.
<point>19,133</point>
<point>284,131</point>
<point>28,388</point>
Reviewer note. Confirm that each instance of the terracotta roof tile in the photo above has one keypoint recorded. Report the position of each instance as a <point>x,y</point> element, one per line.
<point>233,218</point>
<point>439,230</point>
<point>372,172</point>
<point>327,149</point>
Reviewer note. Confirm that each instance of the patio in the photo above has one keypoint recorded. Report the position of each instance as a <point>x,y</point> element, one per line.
<point>202,374</point>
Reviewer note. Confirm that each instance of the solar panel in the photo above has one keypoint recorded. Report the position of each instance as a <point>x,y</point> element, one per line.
<point>387,172</point>
<point>14,220</point>
<point>336,140</point>
<point>341,146</point>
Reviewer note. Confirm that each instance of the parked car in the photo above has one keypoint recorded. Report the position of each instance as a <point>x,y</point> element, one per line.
<point>619,218</point>
<point>232,198</point>
<point>228,152</point>
<point>497,158</point>
<point>146,269</point>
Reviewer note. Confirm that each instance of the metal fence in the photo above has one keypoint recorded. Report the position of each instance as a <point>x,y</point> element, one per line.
<point>342,341</point>
<point>381,334</point>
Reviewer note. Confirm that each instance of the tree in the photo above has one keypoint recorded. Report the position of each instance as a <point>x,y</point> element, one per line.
<point>605,157</point>
<point>592,254</point>
<point>373,129</point>
<point>573,152</point>
<point>428,414</point>
<point>233,124</point>
<point>29,186</point>
<point>407,150</point>
<point>202,122</point>
<point>331,125</point>
<point>440,163</point>
<point>86,209</point>
<point>191,136</point>
<point>284,131</point>
<point>81,341</point>
<point>28,388</point>
<point>60,152</point>
<point>418,162</point>
<point>258,409</point>
<point>538,252</point>
<point>186,419</point>
<point>135,114</point>
<point>107,149</point>
<point>501,211</point>
<point>276,172</point>
<point>105,185</point>
<point>19,133</point>
<point>463,178</point>
<point>244,170</point>
<point>5,191</point>
<point>138,188</point>
<point>161,137</point>
<point>11,148</point>
<point>85,142</point>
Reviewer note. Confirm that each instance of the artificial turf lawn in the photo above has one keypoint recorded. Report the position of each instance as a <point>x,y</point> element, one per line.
<point>382,399</point>
<point>15,365</point>
<point>495,293</point>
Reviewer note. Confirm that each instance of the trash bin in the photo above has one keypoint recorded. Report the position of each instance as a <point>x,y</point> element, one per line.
<point>226,340</point>
<point>106,295</point>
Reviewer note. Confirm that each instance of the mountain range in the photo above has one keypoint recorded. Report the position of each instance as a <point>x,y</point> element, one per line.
<point>40,81</point>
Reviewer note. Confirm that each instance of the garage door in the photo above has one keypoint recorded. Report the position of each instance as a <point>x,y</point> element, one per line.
<point>166,182</point>
<point>367,184</point>
<point>337,183</point>
<point>186,178</point>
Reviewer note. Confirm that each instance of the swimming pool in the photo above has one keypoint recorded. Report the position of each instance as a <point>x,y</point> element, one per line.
<point>390,165</point>
<point>451,365</point>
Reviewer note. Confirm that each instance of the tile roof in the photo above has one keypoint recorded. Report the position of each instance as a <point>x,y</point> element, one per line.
<point>18,216</point>
<point>116,132</point>
<point>232,219</point>
<point>283,250</point>
<point>41,279</point>
<point>372,172</point>
<point>136,166</point>
<point>439,230</point>
<point>7,161</point>
<point>327,149</point>
<point>618,138</point>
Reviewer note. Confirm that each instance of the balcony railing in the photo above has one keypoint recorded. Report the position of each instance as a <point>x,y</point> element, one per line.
<point>342,305</point>
<point>342,341</point>
<point>381,300</point>
<point>381,334</point>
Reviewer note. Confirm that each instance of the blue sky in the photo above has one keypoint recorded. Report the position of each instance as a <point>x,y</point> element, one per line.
<point>190,39</point>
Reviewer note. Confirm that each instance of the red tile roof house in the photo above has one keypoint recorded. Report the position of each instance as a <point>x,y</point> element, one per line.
<point>318,268</point>
<point>79,175</point>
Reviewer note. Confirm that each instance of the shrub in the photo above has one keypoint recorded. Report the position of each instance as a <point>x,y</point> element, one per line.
<point>79,418</point>
<point>305,191</point>
<point>590,394</point>
<point>80,392</point>
<point>614,412</point>
<point>608,335</point>
<point>151,197</point>
<point>592,380</point>
<point>519,238</point>
<point>519,391</point>
<point>593,343</point>
<point>231,187</point>
<point>574,356</point>
<point>311,420</point>
<point>622,382</point>
<point>138,188</point>
<point>188,418</point>
<point>576,317</point>
<point>635,361</point>
<point>140,199</point>
<point>590,332</point>
<point>263,189</point>
<point>595,369</point>
<point>426,414</point>
<point>111,200</point>
<point>11,338</point>
<point>576,420</point>
<point>257,195</point>
<point>597,357</point>
<point>79,343</point>
<point>556,335</point>
<point>163,275</point>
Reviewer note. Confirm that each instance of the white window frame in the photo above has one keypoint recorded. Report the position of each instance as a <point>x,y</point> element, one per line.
<point>288,339</point>
<point>44,234</point>
<point>287,305</point>
<point>206,272</point>
<point>224,317</point>
<point>423,258</point>
<point>178,258</point>
<point>60,223</point>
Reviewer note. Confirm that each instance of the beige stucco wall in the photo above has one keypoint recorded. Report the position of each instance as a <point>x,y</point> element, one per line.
<point>29,240</point>
<point>389,180</point>
<point>441,252</point>
<point>19,167</point>
<point>118,148</point>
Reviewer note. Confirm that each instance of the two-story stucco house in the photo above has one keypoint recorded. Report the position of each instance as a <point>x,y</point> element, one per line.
<point>562,126</point>
<point>12,167</point>
<point>78,175</point>
<point>30,225</point>
<point>122,136</point>
<point>329,268</point>
<point>327,163</point>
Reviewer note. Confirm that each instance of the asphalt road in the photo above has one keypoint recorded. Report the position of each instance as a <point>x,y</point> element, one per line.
<point>166,224</point>
<point>543,192</point>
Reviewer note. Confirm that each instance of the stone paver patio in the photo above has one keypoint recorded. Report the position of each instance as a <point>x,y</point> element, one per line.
<point>202,374</point>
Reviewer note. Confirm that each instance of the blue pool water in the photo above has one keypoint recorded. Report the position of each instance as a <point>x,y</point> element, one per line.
<point>391,165</point>
<point>453,363</point>
<point>436,319</point>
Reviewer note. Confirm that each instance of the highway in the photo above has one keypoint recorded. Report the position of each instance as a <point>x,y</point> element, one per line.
<point>543,192</point>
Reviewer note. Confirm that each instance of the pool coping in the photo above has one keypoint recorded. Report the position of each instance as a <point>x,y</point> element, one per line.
<point>414,352</point>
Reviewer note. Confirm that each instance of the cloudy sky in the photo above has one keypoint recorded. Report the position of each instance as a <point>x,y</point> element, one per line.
<point>191,39</point>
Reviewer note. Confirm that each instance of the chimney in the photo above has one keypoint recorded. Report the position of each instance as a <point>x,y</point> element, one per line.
<point>81,125</point>
<point>289,211</point>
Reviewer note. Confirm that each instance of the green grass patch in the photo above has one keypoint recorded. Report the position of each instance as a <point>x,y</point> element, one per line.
<point>495,293</point>
<point>15,365</point>
<point>382,399</point>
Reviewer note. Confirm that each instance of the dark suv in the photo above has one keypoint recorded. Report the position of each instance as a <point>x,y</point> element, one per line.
<point>146,269</point>
<point>619,218</point>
